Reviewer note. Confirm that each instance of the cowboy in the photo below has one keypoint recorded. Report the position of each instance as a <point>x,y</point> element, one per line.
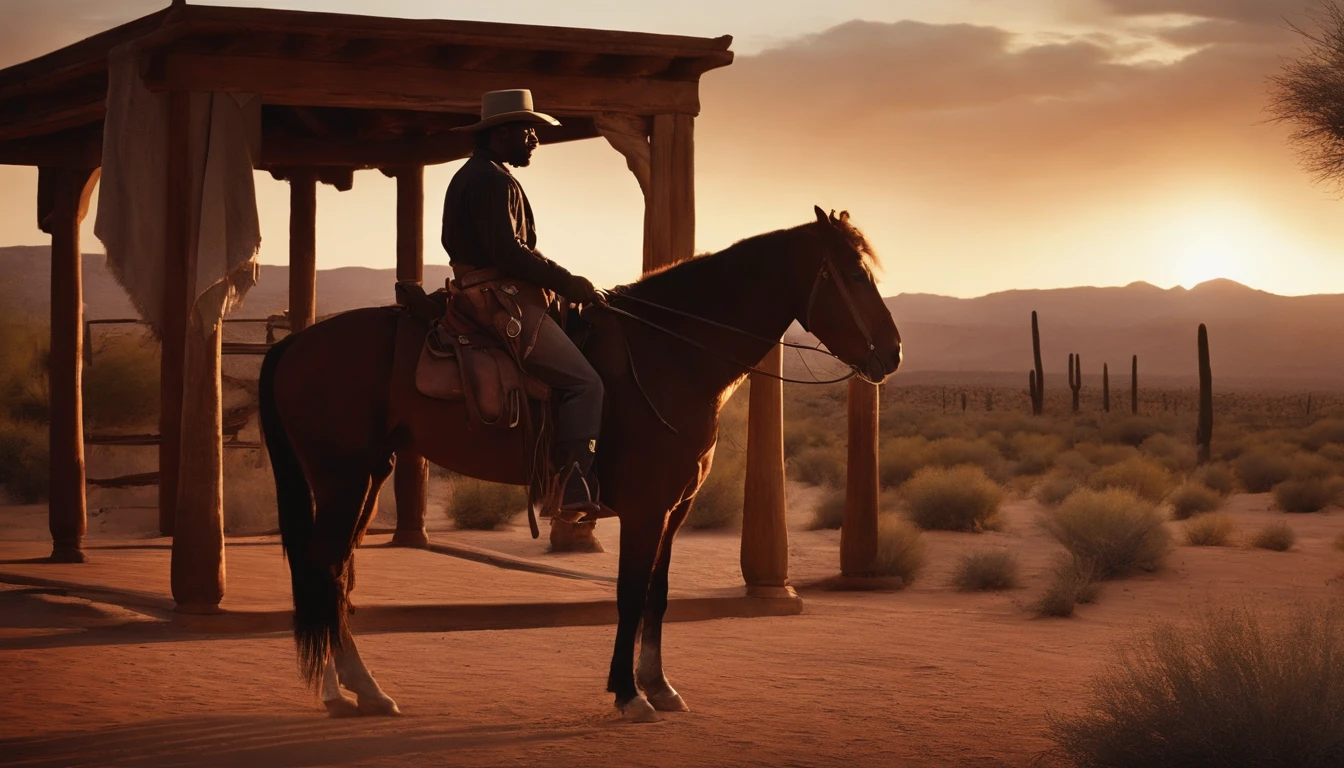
<point>487,224</point>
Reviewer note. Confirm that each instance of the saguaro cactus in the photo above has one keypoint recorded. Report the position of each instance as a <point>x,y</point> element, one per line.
<point>1134,386</point>
<point>1105,388</point>
<point>1076,377</point>
<point>1204,435</point>
<point>963,402</point>
<point>1037,378</point>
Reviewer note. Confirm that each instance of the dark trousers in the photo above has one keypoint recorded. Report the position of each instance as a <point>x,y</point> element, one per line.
<point>575,386</point>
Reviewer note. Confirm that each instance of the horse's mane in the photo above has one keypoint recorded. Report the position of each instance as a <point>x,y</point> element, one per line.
<point>689,276</point>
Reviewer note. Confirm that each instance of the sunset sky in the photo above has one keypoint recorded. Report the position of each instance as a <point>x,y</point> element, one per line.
<point>983,145</point>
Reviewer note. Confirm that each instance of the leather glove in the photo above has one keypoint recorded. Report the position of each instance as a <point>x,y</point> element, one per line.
<point>580,291</point>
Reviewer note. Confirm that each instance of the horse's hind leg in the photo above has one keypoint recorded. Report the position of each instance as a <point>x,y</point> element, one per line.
<point>640,536</point>
<point>649,674</point>
<point>337,703</point>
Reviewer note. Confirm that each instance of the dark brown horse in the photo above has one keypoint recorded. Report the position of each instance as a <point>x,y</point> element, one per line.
<point>338,399</point>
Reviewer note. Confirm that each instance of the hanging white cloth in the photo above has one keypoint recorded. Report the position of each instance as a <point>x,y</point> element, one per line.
<point>225,136</point>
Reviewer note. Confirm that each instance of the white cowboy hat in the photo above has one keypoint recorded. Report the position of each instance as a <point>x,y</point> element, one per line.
<point>511,106</point>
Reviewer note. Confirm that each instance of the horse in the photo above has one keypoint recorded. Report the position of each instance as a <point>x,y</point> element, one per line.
<point>338,400</point>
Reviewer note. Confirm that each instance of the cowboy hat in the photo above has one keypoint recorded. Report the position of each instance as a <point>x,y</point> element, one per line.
<point>511,106</point>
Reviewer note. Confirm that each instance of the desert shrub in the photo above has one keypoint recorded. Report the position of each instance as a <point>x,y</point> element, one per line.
<point>801,434</point>
<point>960,498</point>
<point>1308,466</point>
<point>1209,530</point>
<point>1231,690</point>
<point>955,451</point>
<point>830,511</point>
<point>1131,430</point>
<point>1034,453</point>
<point>1218,476</point>
<point>24,353</point>
<point>899,458</point>
<point>1113,529</point>
<point>1144,477</point>
<point>24,460</point>
<point>1072,582</point>
<point>821,465</point>
<point>1193,498</point>
<point>986,570</point>
<point>1278,537</point>
<point>1106,454</point>
<point>1333,452</point>
<point>480,506</point>
<point>1075,462</point>
<point>1322,433</point>
<point>718,502</point>
<point>1309,494</point>
<point>900,549</point>
<point>122,385</point>
<point>1260,469</point>
<point>1175,455</point>
<point>1057,485</point>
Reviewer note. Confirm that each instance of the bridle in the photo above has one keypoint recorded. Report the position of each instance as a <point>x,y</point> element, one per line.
<point>827,271</point>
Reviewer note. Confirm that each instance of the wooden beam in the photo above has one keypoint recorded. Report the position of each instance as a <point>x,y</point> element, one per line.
<point>314,83</point>
<point>765,534</point>
<point>70,191</point>
<point>302,250</point>
<point>858,532</point>
<point>54,70</point>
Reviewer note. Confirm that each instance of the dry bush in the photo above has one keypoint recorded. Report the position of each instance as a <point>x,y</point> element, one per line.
<point>1209,530</point>
<point>1072,582</point>
<point>829,512</point>
<point>1193,498</point>
<point>955,451</point>
<point>1114,529</point>
<point>1309,494</point>
<point>24,460</point>
<point>1232,690</point>
<point>1260,469</point>
<point>1144,477</point>
<point>1106,454</point>
<point>1076,463</point>
<point>1322,433</point>
<point>1034,454</point>
<point>1218,476</point>
<point>1131,430</point>
<point>900,549</point>
<point>718,502</point>
<point>1058,485</point>
<point>800,434</point>
<point>1175,455</point>
<point>959,498</point>
<point>987,570</point>
<point>121,387</point>
<point>249,493</point>
<point>24,351</point>
<point>480,506</point>
<point>899,458</point>
<point>821,465</point>
<point>1278,537</point>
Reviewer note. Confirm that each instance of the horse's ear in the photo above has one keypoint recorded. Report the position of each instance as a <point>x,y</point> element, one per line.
<point>821,215</point>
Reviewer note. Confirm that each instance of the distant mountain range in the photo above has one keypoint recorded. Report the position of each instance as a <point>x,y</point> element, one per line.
<point>1256,338</point>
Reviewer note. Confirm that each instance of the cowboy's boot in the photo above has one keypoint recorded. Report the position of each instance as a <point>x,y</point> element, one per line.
<point>575,457</point>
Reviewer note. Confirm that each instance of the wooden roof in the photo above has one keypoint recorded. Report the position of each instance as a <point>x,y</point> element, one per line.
<point>351,91</point>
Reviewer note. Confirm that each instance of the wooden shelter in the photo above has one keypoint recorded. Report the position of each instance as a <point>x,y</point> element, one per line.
<point>342,93</point>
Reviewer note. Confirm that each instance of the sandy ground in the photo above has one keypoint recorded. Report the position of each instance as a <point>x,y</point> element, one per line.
<point>927,676</point>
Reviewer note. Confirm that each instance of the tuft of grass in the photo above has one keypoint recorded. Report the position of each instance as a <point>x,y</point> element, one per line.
<point>1193,498</point>
<point>900,458</point>
<point>956,451</point>
<point>987,570</point>
<point>480,506</point>
<point>1218,476</point>
<point>1261,469</point>
<point>830,511</point>
<point>959,498</point>
<point>1174,455</point>
<point>1233,689</point>
<point>1114,529</point>
<point>718,502</point>
<point>1278,537</point>
<point>1209,530</point>
<point>1311,494</point>
<point>1035,454</point>
<point>1057,485</point>
<point>821,465</point>
<point>900,549</point>
<point>1143,476</point>
<point>1073,582</point>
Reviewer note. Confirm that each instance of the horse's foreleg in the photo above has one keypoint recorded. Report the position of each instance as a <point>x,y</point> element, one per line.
<point>649,675</point>
<point>337,703</point>
<point>640,538</point>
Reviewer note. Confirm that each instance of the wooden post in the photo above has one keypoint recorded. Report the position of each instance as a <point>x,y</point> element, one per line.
<point>176,287</point>
<point>410,483</point>
<point>198,533</point>
<point>67,195</point>
<point>858,533</point>
<point>669,227</point>
<point>765,535</point>
<point>302,249</point>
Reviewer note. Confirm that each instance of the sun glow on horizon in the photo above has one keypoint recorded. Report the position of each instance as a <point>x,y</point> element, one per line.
<point>1219,238</point>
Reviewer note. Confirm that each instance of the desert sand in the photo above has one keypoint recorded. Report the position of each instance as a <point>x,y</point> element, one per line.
<point>923,676</point>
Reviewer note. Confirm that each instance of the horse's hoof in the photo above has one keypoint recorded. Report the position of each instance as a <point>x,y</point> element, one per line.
<point>639,710</point>
<point>669,701</point>
<point>378,706</point>
<point>341,707</point>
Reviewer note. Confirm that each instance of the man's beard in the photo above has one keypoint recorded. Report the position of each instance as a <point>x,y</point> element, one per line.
<point>522,159</point>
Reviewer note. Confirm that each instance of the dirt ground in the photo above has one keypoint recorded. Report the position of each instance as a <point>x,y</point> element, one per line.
<point>926,676</point>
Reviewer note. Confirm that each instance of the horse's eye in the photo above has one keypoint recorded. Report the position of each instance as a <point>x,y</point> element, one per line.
<point>860,276</point>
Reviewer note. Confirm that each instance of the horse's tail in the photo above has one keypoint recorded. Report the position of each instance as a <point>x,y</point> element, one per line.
<point>319,613</point>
